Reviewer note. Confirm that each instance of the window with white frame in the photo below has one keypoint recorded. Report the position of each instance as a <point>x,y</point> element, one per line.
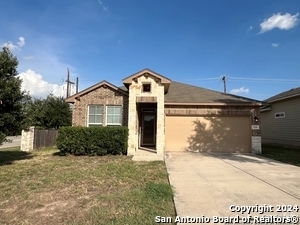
<point>279,115</point>
<point>95,115</point>
<point>114,115</point>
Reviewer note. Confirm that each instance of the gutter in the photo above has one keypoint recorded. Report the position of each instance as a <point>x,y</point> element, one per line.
<point>214,104</point>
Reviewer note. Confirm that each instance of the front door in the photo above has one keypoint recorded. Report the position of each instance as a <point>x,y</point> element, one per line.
<point>148,130</point>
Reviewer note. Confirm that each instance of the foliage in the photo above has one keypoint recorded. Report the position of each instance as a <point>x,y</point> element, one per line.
<point>92,140</point>
<point>11,96</point>
<point>2,138</point>
<point>52,112</point>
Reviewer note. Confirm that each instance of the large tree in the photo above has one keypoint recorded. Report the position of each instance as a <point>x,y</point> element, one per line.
<point>52,112</point>
<point>11,96</point>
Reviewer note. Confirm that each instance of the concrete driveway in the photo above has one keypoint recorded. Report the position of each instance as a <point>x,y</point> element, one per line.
<point>208,185</point>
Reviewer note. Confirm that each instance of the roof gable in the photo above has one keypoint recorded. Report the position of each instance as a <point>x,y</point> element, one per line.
<point>285,95</point>
<point>103,83</point>
<point>163,80</point>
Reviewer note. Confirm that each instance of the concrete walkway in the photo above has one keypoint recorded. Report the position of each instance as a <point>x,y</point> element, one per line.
<point>143,155</point>
<point>207,185</point>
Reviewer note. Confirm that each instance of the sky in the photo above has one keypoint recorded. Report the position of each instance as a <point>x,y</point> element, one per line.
<point>254,44</point>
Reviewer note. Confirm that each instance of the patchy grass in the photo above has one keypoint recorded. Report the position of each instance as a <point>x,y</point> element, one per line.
<point>45,188</point>
<point>289,155</point>
<point>9,155</point>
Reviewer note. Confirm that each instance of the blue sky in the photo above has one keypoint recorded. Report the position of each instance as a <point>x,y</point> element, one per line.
<point>254,43</point>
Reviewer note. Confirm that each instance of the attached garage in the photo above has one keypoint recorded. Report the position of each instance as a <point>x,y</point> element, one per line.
<point>226,134</point>
<point>165,115</point>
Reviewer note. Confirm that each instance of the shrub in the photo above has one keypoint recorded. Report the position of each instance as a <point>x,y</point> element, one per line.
<point>92,140</point>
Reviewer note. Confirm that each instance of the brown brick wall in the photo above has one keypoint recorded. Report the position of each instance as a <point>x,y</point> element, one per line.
<point>102,96</point>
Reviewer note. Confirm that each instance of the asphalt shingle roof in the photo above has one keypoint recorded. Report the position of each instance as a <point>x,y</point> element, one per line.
<point>285,94</point>
<point>185,93</point>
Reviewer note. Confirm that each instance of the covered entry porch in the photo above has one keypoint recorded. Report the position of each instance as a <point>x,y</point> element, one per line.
<point>146,111</point>
<point>147,125</point>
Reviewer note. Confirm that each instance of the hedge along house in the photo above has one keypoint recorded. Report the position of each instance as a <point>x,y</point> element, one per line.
<point>164,115</point>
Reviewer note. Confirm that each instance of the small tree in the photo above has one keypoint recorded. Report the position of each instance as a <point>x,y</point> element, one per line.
<point>11,96</point>
<point>52,112</point>
<point>57,112</point>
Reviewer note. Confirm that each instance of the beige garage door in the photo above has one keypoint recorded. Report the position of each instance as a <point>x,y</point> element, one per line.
<point>208,134</point>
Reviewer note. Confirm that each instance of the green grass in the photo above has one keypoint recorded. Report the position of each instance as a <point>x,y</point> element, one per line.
<point>44,188</point>
<point>289,155</point>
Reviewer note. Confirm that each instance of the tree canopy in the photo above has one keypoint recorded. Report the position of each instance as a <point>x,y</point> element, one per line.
<point>52,112</point>
<point>11,96</point>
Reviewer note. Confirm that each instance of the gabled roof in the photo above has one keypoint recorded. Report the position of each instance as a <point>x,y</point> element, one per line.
<point>177,93</point>
<point>284,95</point>
<point>180,93</point>
<point>163,80</point>
<point>104,83</point>
<point>185,94</point>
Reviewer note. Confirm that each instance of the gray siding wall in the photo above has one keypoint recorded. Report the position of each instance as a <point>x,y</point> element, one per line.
<point>285,131</point>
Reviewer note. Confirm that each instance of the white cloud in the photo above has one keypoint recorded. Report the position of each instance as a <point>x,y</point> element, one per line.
<point>11,46</point>
<point>105,8</point>
<point>14,47</point>
<point>37,87</point>
<point>239,90</point>
<point>250,28</point>
<point>283,22</point>
<point>46,60</point>
<point>275,45</point>
<point>21,42</point>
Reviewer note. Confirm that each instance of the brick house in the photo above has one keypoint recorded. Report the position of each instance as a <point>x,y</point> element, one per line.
<point>164,115</point>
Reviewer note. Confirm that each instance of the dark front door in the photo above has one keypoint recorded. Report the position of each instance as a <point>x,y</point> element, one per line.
<point>148,130</point>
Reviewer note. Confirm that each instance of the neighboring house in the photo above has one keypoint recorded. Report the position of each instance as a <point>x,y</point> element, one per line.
<point>164,115</point>
<point>280,119</point>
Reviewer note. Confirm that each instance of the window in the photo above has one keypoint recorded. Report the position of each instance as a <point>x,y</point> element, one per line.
<point>95,115</point>
<point>114,115</point>
<point>146,87</point>
<point>279,115</point>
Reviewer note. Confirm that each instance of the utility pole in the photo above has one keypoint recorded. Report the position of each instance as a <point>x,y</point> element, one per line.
<point>68,83</point>
<point>224,82</point>
<point>76,85</point>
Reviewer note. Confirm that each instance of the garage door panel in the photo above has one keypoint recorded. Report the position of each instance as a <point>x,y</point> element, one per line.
<point>207,134</point>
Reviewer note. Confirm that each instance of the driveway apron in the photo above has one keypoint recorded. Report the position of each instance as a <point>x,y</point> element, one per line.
<point>214,185</point>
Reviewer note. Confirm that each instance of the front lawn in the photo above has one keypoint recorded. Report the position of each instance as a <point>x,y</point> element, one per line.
<point>45,188</point>
<point>289,155</point>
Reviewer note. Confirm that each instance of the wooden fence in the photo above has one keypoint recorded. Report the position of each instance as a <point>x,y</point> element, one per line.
<point>44,138</point>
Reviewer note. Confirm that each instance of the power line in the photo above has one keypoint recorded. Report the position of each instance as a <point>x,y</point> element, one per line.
<point>206,79</point>
<point>264,79</point>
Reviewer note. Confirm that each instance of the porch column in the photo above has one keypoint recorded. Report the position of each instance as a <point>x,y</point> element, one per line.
<point>132,121</point>
<point>160,132</point>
